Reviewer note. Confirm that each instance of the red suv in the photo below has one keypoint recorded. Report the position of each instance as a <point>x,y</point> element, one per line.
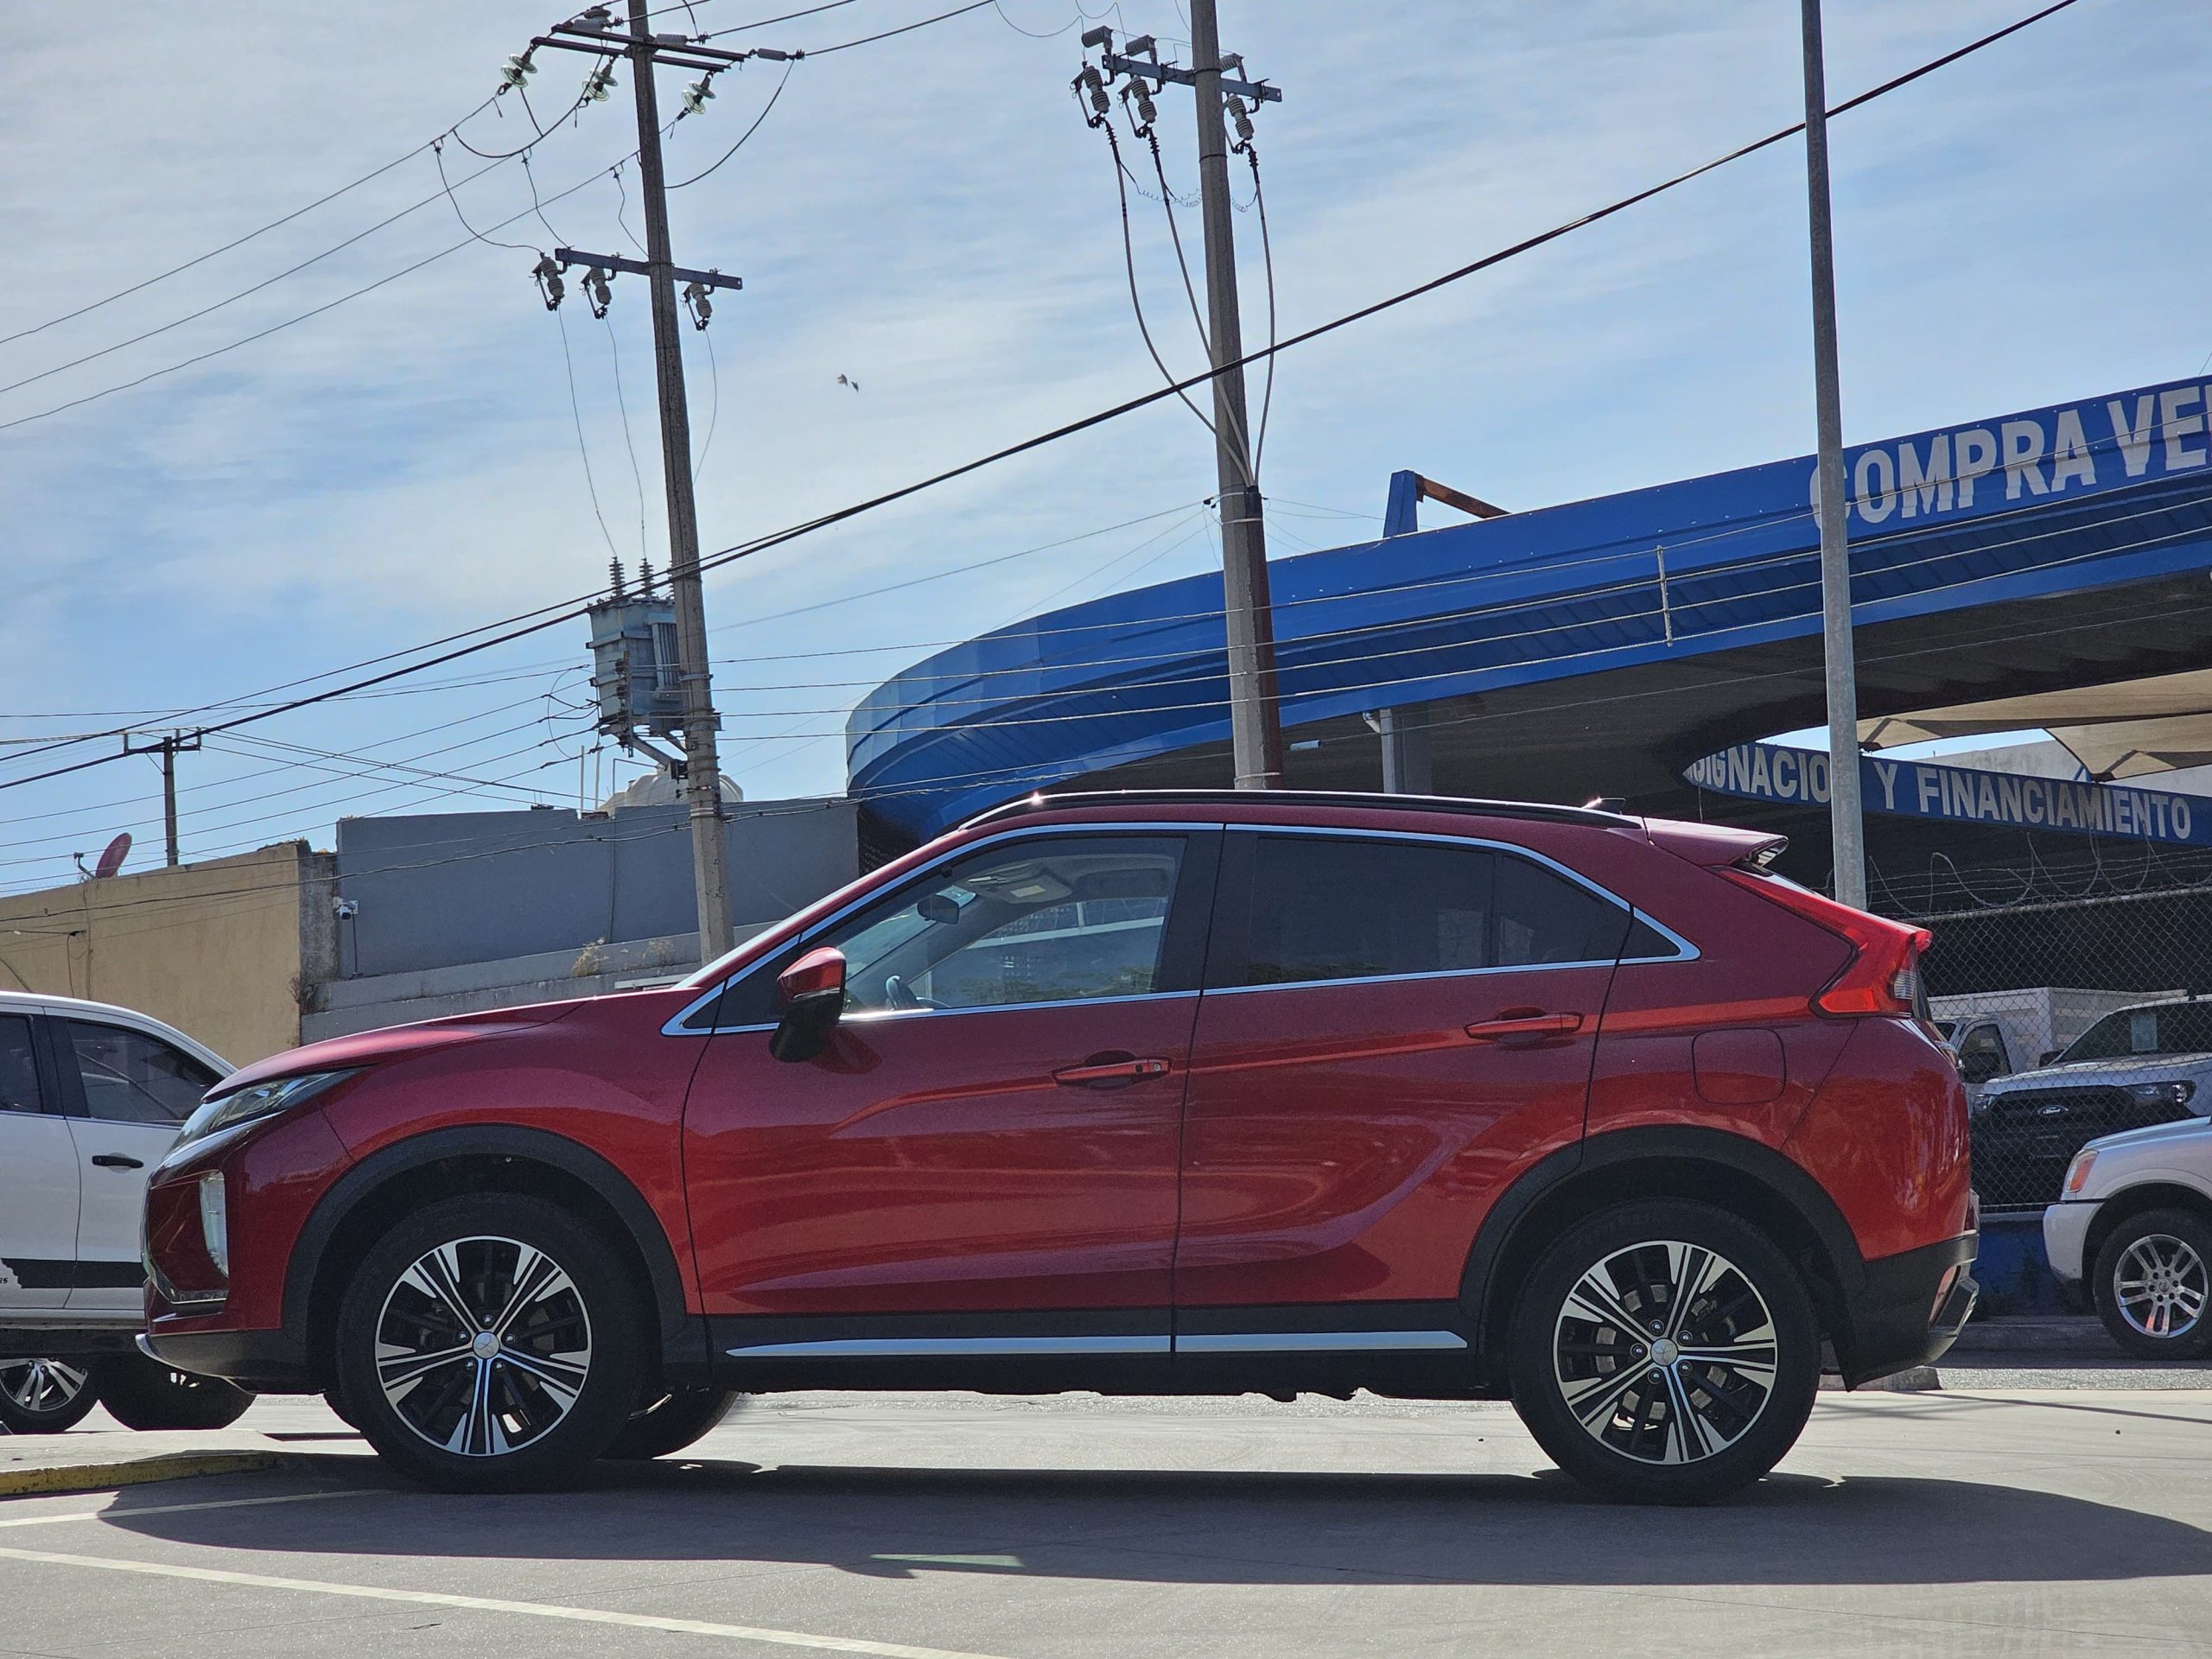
<point>1177,1093</point>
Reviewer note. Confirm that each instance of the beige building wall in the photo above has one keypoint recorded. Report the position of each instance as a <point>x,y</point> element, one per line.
<point>226,950</point>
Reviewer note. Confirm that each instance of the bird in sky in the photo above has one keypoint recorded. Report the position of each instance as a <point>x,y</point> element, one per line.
<point>845,380</point>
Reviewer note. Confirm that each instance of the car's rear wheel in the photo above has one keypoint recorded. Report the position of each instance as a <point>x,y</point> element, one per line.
<point>670,1423</point>
<point>2153,1278</point>
<point>490,1344</point>
<point>1664,1351</point>
<point>144,1394</point>
<point>43,1396</point>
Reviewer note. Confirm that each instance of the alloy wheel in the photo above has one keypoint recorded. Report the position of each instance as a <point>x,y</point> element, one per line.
<point>41,1386</point>
<point>1665,1352</point>
<point>482,1345</point>
<point>2160,1286</point>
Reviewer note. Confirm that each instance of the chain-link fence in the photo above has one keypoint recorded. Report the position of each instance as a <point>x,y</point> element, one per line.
<point>2068,989</point>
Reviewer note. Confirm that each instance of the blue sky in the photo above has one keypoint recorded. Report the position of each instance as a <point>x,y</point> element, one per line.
<point>929,217</point>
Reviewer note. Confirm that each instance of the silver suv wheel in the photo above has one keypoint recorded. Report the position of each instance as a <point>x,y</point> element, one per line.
<point>42,1386</point>
<point>2160,1285</point>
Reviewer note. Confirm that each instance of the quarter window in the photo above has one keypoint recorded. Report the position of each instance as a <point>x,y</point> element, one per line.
<point>1323,908</point>
<point>130,1077</point>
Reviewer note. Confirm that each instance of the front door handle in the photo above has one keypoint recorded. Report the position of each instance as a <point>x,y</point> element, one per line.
<point>116,1160</point>
<point>1112,1071</point>
<point>1525,1028</point>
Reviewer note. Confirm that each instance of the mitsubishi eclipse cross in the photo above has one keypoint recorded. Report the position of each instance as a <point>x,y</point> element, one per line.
<point>1186,1093</point>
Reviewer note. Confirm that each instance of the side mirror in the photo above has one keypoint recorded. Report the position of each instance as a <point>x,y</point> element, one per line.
<point>811,993</point>
<point>2048,1055</point>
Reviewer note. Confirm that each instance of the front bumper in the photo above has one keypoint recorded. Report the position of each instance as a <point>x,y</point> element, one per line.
<point>1910,1309</point>
<point>261,1362</point>
<point>2066,1239</point>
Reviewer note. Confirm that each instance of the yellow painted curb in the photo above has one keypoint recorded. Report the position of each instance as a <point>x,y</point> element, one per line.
<point>130,1471</point>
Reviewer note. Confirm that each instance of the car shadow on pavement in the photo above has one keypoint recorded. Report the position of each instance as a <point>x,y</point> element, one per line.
<point>1225,1526</point>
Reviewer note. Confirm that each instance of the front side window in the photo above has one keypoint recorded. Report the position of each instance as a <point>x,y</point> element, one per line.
<point>1325,908</point>
<point>1045,918</point>
<point>1051,918</point>
<point>131,1077</point>
<point>18,1065</point>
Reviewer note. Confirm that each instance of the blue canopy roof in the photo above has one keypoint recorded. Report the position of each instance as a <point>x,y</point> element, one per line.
<point>2034,505</point>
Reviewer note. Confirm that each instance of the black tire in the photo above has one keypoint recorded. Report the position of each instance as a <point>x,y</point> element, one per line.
<point>2152,1280</point>
<point>141,1394</point>
<point>519,1411</point>
<point>670,1423</point>
<point>44,1396</point>
<point>1640,1427</point>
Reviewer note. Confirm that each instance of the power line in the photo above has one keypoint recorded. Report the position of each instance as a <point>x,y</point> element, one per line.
<point>742,137</point>
<point>237,242</point>
<point>637,478</point>
<point>568,363</point>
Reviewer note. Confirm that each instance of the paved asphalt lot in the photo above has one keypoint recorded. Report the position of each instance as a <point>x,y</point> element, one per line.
<point>1967,1521</point>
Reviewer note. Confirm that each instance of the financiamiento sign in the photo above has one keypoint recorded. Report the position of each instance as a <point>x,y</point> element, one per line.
<point>1921,789</point>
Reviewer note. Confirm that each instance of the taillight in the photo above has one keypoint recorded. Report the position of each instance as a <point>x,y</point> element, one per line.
<point>1882,978</point>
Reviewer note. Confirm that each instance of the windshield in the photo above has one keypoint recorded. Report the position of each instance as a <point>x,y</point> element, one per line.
<point>2161,1028</point>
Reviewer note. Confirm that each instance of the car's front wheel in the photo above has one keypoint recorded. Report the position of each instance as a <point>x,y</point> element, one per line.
<point>43,1396</point>
<point>1664,1351</point>
<point>490,1344</point>
<point>2153,1283</point>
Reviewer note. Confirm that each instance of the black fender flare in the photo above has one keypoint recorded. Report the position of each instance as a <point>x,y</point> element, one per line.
<point>1738,1155</point>
<point>487,1140</point>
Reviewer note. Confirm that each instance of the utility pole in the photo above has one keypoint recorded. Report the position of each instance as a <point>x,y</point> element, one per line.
<point>702,763</point>
<point>1846,823</point>
<point>1255,708</point>
<point>167,748</point>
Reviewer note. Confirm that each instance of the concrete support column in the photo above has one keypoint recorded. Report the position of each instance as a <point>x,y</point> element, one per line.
<point>1406,769</point>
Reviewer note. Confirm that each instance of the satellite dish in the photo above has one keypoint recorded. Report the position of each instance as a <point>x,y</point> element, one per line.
<point>112,858</point>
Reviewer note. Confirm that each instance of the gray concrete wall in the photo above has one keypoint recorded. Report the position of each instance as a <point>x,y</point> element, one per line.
<point>352,1005</point>
<point>441,890</point>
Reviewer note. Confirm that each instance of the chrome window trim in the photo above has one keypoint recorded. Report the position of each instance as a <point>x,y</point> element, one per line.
<point>950,1347</point>
<point>673,1027</point>
<point>1319,1341</point>
<point>1684,950</point>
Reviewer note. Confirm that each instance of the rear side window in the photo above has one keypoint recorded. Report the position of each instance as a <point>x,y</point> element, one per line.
<point>1322,908</point>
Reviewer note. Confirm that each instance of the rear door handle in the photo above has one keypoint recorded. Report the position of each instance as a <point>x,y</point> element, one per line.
<point>1525,1028</point>
<point>1110,1071</point>
<point>116,1160</point>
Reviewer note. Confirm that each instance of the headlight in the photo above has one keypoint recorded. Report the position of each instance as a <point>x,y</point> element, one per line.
<point>2161,1094</point>
<point>255,1101</point>
<point>2077,1173</point>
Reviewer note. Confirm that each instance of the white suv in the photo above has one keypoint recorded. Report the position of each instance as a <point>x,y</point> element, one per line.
<point>91,1099</point>
<point>2135,1218</point>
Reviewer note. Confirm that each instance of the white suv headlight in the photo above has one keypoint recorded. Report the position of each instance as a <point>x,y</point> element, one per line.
<point>257,1100</point>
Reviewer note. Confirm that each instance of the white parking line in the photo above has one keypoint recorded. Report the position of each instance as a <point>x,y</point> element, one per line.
<point>177,1509</point>
<point>494,1605</point>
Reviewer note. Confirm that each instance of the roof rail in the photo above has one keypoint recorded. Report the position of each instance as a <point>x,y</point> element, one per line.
<point>1541,811</point>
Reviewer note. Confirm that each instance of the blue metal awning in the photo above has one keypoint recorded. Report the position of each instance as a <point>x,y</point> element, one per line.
<point>2031,505</point>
